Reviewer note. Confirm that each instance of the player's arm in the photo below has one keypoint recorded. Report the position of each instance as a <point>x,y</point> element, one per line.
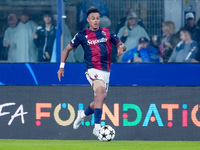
<point>116,41</point>
<point>120,48</point>
<point>64,56</point>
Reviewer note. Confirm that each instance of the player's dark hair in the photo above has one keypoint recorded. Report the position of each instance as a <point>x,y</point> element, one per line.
<point>92,10</point>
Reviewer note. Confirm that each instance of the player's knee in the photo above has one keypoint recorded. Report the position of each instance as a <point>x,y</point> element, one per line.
<point>101,92</point>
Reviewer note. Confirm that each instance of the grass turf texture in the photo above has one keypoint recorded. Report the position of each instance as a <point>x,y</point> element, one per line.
<point>97,145</point>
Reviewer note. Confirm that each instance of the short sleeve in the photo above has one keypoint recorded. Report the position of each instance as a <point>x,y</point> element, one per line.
<point>76,40</point>
<point>114,38</point>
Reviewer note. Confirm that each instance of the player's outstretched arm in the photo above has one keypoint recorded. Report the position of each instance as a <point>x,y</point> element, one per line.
<point>64,56</point>
<point>120,48</point>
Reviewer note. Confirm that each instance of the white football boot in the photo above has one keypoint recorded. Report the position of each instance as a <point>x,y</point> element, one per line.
<point>96,131</point>
<point>78,120</point>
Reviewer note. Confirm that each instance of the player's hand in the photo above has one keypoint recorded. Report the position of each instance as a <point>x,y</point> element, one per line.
<point>61,73</point>
<point>119,51</point>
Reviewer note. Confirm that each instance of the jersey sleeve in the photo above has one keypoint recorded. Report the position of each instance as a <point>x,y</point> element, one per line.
<point>114,38</point>
<point>76,40</point>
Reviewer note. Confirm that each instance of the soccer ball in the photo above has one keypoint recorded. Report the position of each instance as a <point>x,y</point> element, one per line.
<point>107,133</point>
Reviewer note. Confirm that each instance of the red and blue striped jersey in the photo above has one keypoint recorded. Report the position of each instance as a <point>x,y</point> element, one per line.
<point>97,46</point>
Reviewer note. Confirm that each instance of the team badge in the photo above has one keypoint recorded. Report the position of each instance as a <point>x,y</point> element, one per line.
<point>104,33</point>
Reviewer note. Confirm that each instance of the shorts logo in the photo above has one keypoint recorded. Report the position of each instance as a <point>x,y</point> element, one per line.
<point>96,76</point>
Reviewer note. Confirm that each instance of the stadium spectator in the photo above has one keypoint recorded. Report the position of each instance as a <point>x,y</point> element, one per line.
<point>197,38</point>
<point>186,49</point>
<point>142,53</point>
<point>26,49</point>
<point>66,38</point>
<point>168,41</point>
<point>122,21</point>
<point>9,41</point>
<point>190,24</point>
<point>82,11</point>
<point>44,38</point>
<point>131,33</point>
<point>197,57</point>
<point>3,50</point>
<point>104,22</point>
<point>197,32</point>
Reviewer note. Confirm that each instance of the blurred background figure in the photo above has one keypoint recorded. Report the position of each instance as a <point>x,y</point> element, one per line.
<point>197,38</point>
<point>197,32</point>
<point>26,49</point>
<point>104,22</point>
<point>82,13</point>
<point>44,38</point>
<point>66,38</point>
<point>122,21</point>
<point>185,50</point>
<point>142,53</point>
<point>168,41</point>
<point>131,33</point>
<point>190,23</point>
<point>9,40</point>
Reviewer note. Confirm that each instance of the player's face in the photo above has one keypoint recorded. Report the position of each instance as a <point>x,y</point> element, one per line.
<point>93,20</point>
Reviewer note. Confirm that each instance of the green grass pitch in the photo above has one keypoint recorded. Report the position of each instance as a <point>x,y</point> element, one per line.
<point>97,145</point>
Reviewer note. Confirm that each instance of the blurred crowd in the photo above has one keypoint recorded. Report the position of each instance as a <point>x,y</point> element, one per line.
<point>182,46</point>
<point>25,41</point>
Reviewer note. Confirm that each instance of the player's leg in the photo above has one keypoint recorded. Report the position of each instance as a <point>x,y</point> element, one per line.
<point>99,98</point>
<point>99,88</point>
<point>82,114</point>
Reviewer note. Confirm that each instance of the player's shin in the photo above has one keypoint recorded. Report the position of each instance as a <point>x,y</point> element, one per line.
<point>88,111</point>
<point>97,126</point>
